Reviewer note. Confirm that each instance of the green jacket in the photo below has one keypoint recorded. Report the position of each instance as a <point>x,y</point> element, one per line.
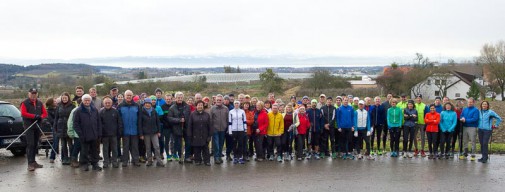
<point>70,125</point>
<point>395,117</point>
<point>402,105</point>
<point>420,107</point>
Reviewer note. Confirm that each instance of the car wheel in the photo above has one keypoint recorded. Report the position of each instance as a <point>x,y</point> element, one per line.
<point>18,152</point>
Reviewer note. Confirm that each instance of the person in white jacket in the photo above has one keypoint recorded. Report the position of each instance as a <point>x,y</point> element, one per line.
<point>237,128</point>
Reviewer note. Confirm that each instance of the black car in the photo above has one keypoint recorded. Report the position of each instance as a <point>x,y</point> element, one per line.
<point>11,126</point>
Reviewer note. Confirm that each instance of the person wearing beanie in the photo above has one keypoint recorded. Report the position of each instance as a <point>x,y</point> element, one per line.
<point>362,131</point>
<point>421,109</point>
<point>448,122</point>
<point>88,126</point>
<point>345,118</point>
<point>317,123</point>
<point>432,120</point>
<point>355,101</point>
<point>403,102</point>
<point>394,119</point>
<point>410,117</point>
<point>150,131</point>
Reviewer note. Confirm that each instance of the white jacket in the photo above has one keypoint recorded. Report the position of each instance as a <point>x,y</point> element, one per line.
<point>236,121</point>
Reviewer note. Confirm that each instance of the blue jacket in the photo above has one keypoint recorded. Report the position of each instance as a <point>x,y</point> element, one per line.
<point>345,117</point>
<point>448,121</point>
<point>377,115</point>
<point>438,108</point>
<point>486,119</point>
<point>160,102</point>
<point>316,119</point>
<point>471,115</point>
<point>130,114</point>
<point>410,121</point>
<point>356,115</point>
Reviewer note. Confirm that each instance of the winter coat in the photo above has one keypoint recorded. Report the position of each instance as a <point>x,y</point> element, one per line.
<point>448,121</point>
<point>176,112</point>
<point>249,116</point>
<point>199,128</point>
<point>112,124</point>
<point>377,115</point>
<point>275,124</point>
<point>70,125</point>
<point>164,118</point>
<point>304,124</point>
<point>262,121</point>
<point>61,118</point>
<point>421,111</point>
<point>410,120</point>
<point>361,120</point>
<point>130,115</point>
<point>345,117</point>
<point>87,123</point>
<point>149,122</point>
<point>432,121</point>
<point>486,119</point>
<point>329,115</point>
<point>471,115</point>
<point>237,121</point>
<point>316,120</point>
<point>394,117</point>
<point>219,117</point>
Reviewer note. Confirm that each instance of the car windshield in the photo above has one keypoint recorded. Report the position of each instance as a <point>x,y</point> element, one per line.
<point>9,111</point>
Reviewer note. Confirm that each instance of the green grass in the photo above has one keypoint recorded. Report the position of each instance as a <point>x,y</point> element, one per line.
<point>498,148</point>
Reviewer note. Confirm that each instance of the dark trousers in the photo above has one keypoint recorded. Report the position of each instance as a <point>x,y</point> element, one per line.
<point>89,152</point>
<point>32,140</point>
<point>237,146</point>
<point>457,133</point>
<point>202,151</point>
<point>484,137</point>
<point>142,149</point>
<point>432,142</point>
<point>300,140</point>
<point>217,143</point>
<point>109,146</point>
<point>229,143</point>
<point>130,147</point>
<point>56,146</point>
<point>274,141</point>
<point>345,140</point>
<point>76,149</point>
<point>408,138</point>
<point>167,137</point>
<point>260,153</point>
<point>394,142</point>
<point>445,142</point>
<point>362,137</point>
<point>251,140</point>
<point>287,142</point>
<point>178,146</point>
<point>325,145</point>
<point>187,147</point>
<point>66,147</point>
<point>377,133</point>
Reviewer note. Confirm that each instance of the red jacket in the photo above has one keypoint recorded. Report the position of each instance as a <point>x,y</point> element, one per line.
<point>263,122</point>
<point>249,116</point>
<point>432,119</point>
<point>304,124</point>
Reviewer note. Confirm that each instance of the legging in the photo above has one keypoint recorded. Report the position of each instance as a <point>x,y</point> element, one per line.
<point>432,142</point>
<point>394,143</point>
<point>445,142</point>
<point>408,138</point>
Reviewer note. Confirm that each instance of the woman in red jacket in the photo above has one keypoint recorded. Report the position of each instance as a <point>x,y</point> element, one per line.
<point>432,119</point>
<point>301,131</point>
<point>261,126</point>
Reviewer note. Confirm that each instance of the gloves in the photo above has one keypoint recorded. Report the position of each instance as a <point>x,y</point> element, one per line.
<point>355,134</point>
<point>371,130</point>
<point>291,128</point>
<point>368,133</point>
<point>493,127</point>
<point>37,117</point>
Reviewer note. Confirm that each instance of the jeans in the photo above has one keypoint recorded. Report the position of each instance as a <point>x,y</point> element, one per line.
<point>56,146</point>
<point>218,142</point>
<point>229,144</point>
<point>408,138</point>
<point>484,137</point>
<point>394,142</point>
<point>76,149</point>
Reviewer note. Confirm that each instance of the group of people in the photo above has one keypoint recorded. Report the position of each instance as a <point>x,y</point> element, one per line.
<point>136,129</point>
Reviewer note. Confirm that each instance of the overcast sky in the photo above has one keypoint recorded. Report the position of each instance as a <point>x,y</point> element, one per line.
<point>66,29</point>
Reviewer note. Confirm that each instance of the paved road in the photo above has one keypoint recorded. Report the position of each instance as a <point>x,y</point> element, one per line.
<point>383,174</point>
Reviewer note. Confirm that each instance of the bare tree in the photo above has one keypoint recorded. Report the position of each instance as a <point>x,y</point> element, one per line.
<point>442,80</point>
<point>415,80</point>
<point>492,56</point>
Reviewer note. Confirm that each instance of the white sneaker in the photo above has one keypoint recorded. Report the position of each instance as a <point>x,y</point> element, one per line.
<point>360,156</point>
<point>404,154</point>
<point>410,155</point>
<point>370,157</point>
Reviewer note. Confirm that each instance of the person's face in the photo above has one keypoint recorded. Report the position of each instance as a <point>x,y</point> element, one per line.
<point>198,97</point>
<point>446,100</point>
<point>393,103</point>
<point>471,103</point>
<point>275,109</point>
<point>339,102</point>
<point>153,101</point>
<point>199,107</point>
<point>92,93</point>
<point>107,103</point>
<point>368,101</point>
<point>485,106</point>
<point>129,97</point>
<point>32,96</point>
<point>293,100</point>
<point>254,101</point>
<point>168,99</point>
<point>219,101</point>
<point>361,106</point>
<point>289,109</point>
<point>158,95</point>
<point>346,101</point>
<point>247,99</point>
<point>377,101</point>
<point>389,96</point>
<point>404,99</point>
<point>120,97</point>
<point>271,96</point>
<point>268,105</point>
<point>64,99</point>
<point>355,102</point>
<point>301,110</point>
<point>259,106</point>
<point>329,102</point>
<point>147,105</point>
<point>241,99</point>
<point>86,102</point>
<point>418,100</point>
<point>432,109</point>
<point>448,107</point>
<point>79,92</point>
<point>322,99</point>
<point>305,101</point>
<point>190,101</point>
<point>437,102</point>
<point>313,104</point>
<point>410,106</point>
<point>246,106</point>
<point>232,99</point>
<point>179,98</point>
<point>236,105</point>
<point>281,108</point>
<point>226,101</point>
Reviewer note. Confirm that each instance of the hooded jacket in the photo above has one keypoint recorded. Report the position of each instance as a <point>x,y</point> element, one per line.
<point>304,124</point>
<point>130,115</point>
<point>448,121</point>
<point>149,122</point>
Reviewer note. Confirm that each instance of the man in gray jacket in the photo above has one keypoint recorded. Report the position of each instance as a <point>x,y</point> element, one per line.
<point>219,122</point>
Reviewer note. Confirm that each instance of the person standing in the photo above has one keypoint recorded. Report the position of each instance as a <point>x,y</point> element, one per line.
<point>394,120</point>
<point>421,109</point>
<point>249,138</point>
<point>167,131</point>
<point>88,126</point>
<point>48,124</point>
<point>149,131</point>
<point>345,118</point>
<point>237,126</point>
<point>448,122</point>
<point>97,102</point>
<point>200,131</point>
<point>329,116</point>
<point>470,118</point>
<point>112,125</point>
<point>60,125</point>
<point>386,105</point>
<point>317,123</point>
<point>410,116</point>
<point>79,91</point>
<point>76,148</point>
<point>32,111</point>
<point>275,131</point>
<point>261,122</point>
<point>301,128</point>
<point>130,115</point>
<point>432,120</point>
<point>219,123</point>
<point>362,131</point>
<point>378,120</point>
<point>290,121</point>
<point>486,128</point>
<point>178,114</point>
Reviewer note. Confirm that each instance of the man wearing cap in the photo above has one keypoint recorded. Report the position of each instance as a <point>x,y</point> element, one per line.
<point>32,111</point>
<point>227,102</point>
<point>403,102</point>
<point>322,101</point>
<point>421,109</point>
<point>305,101</point>
<point>316,125</point>
<point>231,96</point>
<point>329,116</point>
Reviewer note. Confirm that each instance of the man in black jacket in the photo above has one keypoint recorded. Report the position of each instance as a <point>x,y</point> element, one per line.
<point>329,115</point>
<point>88,126</point>
<point>112,126</point>
<point>177,116</point>
<point>167,132</point>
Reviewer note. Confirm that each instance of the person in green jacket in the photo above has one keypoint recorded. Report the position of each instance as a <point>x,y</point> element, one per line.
<point>420,127</point>
<point>76,148</point>
<point>394,119</point>
<point>403,102</point>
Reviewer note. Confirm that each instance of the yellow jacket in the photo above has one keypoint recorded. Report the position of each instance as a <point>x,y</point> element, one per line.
<point>275,124</point>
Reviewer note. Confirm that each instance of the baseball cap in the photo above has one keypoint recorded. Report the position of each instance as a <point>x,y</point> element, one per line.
<point>361,102</point>
<point>113,88</point>
<point>322,95</point>
<point>33,90</point>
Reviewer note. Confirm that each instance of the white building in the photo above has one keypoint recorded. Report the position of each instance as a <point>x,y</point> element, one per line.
<point>456,85</point>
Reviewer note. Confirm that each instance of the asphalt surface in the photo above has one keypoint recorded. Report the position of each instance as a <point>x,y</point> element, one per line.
<point>382,174</point>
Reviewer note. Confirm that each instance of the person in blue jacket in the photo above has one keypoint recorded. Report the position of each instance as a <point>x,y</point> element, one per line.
<point>470,119</point>
<point>378,120</point>
<point>362,131</point>
<point>448,122</point>
<point>130,114</point>
<point>486,128</point>
<point>345,123</point>
<point>316,126</point>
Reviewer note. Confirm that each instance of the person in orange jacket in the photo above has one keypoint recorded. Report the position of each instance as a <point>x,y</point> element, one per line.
<point>432,119</point>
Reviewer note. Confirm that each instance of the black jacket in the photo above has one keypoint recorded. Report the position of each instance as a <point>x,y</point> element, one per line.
<point>199,128</point>
<point>149,124</point>
<point>164,119</point>
<point>87,123</point>
<point>329,115</point>
<point>61,116</point>
<point>112,123</point>
<point>176,112</point>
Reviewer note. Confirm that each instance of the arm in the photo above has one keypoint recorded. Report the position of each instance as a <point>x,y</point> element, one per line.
<point>158,123</point>
<point>139,121</point>
<point>25,113</point>
<point>244,118</point>
<point>368,123</point>
<point>44,112</point>
<point>229,123</point>
<point>99,125</point>
<point>497,117</point>
<point>280,129</point>
<point>387,118</point>
<point>55,122</point>
<point>77,123</point>
<point>355,122</point>
<point>120,123</point>
<point>189,130</point>
<point>454,121</point>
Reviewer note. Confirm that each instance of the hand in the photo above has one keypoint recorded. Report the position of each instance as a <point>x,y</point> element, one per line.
<point>141,137</point>
<point>414,115</point>
<point>257,131</point>
<point>339,129</point>
<point>355,134</point>
<point>327,126</point>
<point>406,115</point>
<point>368,133</point>
<point>230,134</point>
<point>37,117</point>
<point>159,134</point>
<point>371,130</point>
<point>182,120</point>
<point>462,119</point>
<point>352,129</point>
<point>493,127</point>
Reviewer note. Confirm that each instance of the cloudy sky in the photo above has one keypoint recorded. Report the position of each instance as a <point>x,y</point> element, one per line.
<point>69,29</point>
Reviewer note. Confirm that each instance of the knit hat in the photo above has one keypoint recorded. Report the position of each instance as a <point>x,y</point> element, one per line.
<point>147,100</point>
<point>152,97</point>
<point>313,101</point>
<point>136,98</point>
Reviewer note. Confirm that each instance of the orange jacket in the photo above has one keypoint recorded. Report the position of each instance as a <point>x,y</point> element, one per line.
<point>432,119</point>
<point>249,116</point>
